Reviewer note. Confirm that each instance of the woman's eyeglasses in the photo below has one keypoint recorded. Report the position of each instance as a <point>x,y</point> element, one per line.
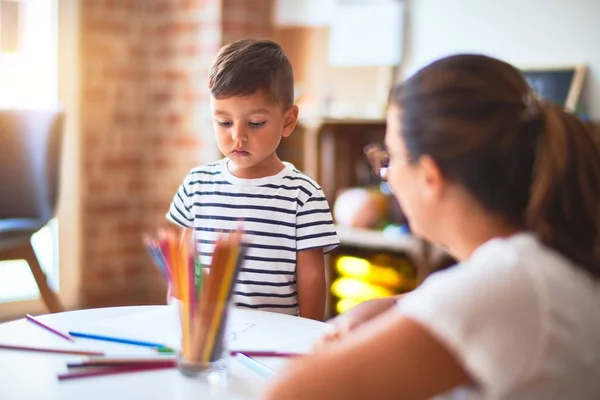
<point>379,159</point>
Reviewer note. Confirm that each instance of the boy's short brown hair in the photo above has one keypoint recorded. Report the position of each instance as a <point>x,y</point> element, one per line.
<point>246,66</point>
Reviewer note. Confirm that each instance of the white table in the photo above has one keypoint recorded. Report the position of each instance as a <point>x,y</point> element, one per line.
<point>31,375</point>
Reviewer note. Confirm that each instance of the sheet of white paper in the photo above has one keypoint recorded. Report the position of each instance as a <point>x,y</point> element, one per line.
<point>247,330</point>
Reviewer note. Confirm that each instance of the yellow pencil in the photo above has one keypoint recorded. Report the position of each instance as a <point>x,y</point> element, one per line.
<point>183,268</point>
<point>222,298</point>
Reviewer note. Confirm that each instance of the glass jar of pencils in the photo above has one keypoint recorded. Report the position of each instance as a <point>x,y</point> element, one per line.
<point>203,351</point>
<point>203,295</point>
<point>204,303</point>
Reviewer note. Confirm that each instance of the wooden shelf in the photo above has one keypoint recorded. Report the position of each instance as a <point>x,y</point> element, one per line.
<point>376,240</point>
<point>422,252</point>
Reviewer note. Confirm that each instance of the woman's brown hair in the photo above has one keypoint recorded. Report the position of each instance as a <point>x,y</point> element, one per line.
<point>533,163</point>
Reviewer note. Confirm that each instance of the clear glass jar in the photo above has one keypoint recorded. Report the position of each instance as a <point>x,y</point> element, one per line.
<point>206,353</point>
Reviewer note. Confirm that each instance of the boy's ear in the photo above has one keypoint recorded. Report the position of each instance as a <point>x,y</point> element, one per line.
<point>290,119</point>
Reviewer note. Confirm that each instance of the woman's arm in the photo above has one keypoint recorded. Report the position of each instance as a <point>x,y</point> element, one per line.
<point>391,357</point>
<point>356,316</point>
<point>310,283</point>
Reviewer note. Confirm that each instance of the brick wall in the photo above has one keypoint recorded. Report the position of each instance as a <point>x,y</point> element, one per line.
<point>247,18</point>
<point>145,121</point>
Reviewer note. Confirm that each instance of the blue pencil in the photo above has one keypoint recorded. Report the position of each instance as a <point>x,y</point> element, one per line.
<point>117,340</point>
<point>255,366</point>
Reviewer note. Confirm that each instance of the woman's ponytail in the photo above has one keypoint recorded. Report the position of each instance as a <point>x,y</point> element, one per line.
<point>564,204</point>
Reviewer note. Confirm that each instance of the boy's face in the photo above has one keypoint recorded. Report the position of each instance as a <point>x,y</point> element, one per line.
<point>249,129</point>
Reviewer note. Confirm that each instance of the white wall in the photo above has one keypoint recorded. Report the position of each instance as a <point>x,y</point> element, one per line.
<point>526,33</point>
<point>303,12</point>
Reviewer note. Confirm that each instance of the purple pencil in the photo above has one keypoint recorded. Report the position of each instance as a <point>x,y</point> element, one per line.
<point>49,328</point>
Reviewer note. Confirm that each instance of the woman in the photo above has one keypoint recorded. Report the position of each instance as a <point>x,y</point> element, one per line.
<point>510,186</point>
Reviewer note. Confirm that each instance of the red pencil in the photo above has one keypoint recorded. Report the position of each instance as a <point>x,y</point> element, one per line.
<point>112,371</point>
<point>49,350</point>
<point>49,328</point>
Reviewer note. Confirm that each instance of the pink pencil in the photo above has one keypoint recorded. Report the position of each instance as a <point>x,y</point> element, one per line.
<point>49,328</point>
<point>111,371</point>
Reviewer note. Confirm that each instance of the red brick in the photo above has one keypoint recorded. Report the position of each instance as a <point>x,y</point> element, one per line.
<point>192,4</point>
<point>183,141</point>
<point>123,163</point>
<point>136,271</point>
<point>162,163</point>
<point>99,50</point>
<point>105,209</point>
<point>122,118</point>
<point>177,28</point>
<point>176,75</point>
<point>136,187</point>
<point>174,119</point>
<point>107,27</point>
<point>95,95</point>
<point>163,96</point>
<point>132,227</point>
<point>127,73</point>
<point>193,96</point>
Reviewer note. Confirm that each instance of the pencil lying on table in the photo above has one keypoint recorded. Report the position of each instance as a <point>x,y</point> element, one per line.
<point>255,366</point>
<point>39,323</point>
<point>252,353</point>
<point>115,339</point>
<point>122,364</point>
<point>50,350</point>
<point>131,360</point>
<point>111,371</point>
<point>168,358</point>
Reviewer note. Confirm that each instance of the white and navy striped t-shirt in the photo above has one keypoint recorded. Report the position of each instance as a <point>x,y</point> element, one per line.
<point>282,214</point>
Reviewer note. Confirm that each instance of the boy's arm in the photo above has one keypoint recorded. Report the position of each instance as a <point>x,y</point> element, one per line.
<point>315,237</point>
<point>310,283</point>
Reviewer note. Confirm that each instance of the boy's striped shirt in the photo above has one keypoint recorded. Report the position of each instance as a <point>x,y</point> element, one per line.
<point>281,214</point>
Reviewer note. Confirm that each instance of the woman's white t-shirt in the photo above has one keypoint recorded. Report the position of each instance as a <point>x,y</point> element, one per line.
<point>521,319</point>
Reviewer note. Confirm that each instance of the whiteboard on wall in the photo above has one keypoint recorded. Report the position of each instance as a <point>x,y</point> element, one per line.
<point>366,33</point>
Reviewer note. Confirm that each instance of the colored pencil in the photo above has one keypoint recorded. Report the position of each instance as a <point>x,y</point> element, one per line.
<point>183,266</point>
<point>117,339</point>
<point>156,255</point>
<point>50,350</point>
<point>255,366</point>
<point>219,312</point>
<point>111,371</point>
<point>251,353</point>
<point>129,360</point>
<point>31,318</point>
<point>122,364</point>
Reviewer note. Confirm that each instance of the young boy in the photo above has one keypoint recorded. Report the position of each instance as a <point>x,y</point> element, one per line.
<point>286,218</point>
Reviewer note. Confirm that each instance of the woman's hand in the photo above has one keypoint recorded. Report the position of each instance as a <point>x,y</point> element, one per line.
<point>344,323</point>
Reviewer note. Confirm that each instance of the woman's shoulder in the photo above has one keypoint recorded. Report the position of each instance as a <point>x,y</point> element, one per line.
<point>510,310</point>
<point>531,262</point>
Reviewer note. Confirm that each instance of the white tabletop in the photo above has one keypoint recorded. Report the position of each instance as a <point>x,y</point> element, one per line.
<point>30,375</point>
